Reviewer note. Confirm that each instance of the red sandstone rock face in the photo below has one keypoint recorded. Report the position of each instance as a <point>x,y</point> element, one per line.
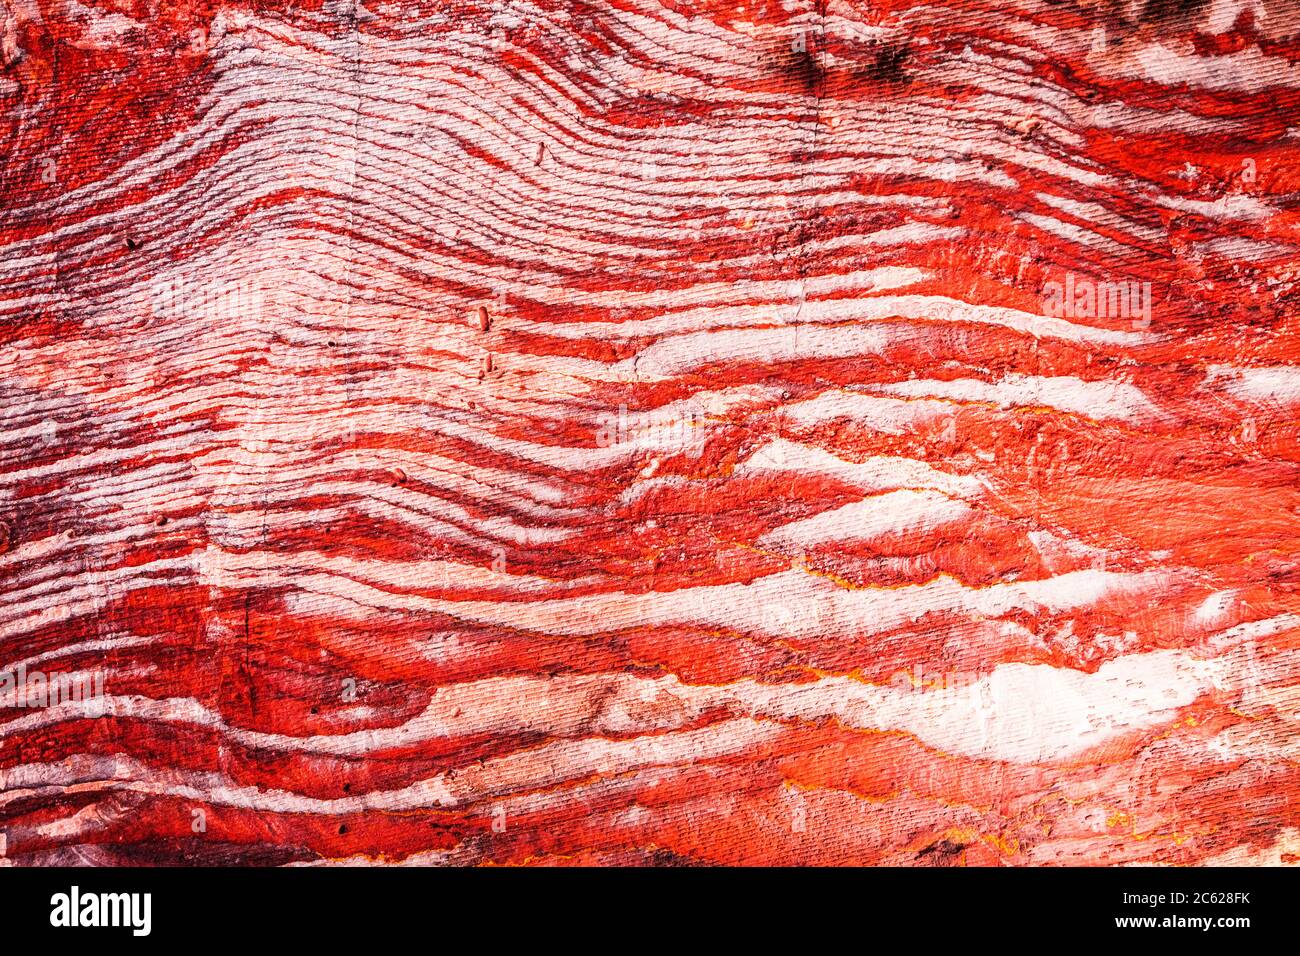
<point>647,432</point>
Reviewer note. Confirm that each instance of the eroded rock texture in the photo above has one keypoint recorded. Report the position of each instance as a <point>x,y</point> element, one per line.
<point>648,432</point>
